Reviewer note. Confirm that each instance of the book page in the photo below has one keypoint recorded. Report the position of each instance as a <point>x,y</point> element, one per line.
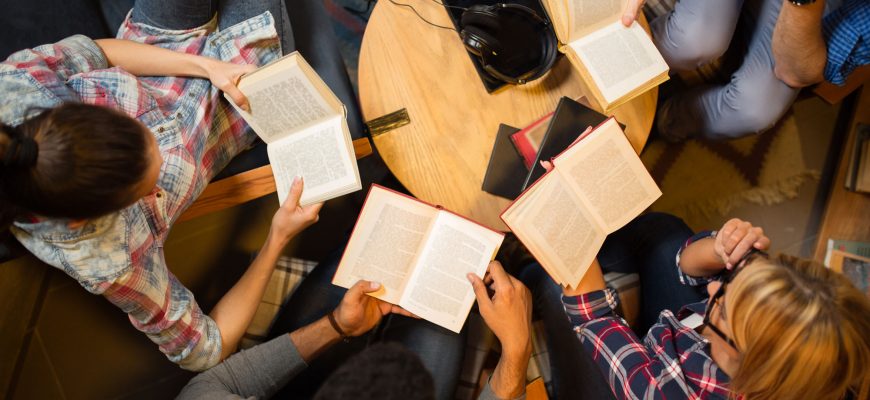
<point>385,242</point>
<point>559,231</point>
<point>322,156</point>
<point>619,59</point>
<point>609,176</point>
<point>283,99</point>
<point>589,15</point>
<point>438,289</point>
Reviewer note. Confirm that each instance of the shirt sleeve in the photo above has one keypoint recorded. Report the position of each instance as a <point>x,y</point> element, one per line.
<point>685,278</point>
<point>630,368</point>
<point>847,34</point>
<point>166,311</point>
<point>258,372</point>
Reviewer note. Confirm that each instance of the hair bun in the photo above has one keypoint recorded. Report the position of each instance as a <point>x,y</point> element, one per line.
<point>21,152</point>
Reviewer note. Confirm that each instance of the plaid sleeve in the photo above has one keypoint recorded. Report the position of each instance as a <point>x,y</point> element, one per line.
<point>162,308</point>
<point>631,369</point>
<point>847,34</point>
<point>57,62</point>
<point>687,279</point>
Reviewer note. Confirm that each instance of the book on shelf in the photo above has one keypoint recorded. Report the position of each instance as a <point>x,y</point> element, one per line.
<point>305,129</point>
<point>856,268</point>
<point>420,254</point>
<point>617,63</point>
<point>861,249</point>
<point>858,173</point>
<point>596,186</point>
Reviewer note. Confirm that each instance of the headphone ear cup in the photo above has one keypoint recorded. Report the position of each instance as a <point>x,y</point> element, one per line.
<point>478,42</point>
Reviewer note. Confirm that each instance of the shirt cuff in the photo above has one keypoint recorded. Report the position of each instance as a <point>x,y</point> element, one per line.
<point>92,56</point>
<point>590,306</point>
<point>685,278</point>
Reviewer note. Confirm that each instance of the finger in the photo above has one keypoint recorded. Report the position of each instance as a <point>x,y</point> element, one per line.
<point>487,278</point>
<point>499,276</point>
<point>742,248</point>
<point>719,249</point>
<point>295,192</point>
<point>401,311</point>
<point>763,243</point>
<point>237,96</point>
<point>582,135</point>
<point>547,165</point>
<point>736,237</point>
<point>631,10</point>
<point>483,299</point>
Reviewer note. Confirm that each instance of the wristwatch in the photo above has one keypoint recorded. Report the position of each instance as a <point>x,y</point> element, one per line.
<point>802,2</point>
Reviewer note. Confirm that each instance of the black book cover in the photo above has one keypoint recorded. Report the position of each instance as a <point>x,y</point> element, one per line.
<point>505,172</point>
<point>569,121</point>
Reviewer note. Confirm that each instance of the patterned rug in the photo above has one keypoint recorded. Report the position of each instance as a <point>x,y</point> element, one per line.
<point>700,179</point>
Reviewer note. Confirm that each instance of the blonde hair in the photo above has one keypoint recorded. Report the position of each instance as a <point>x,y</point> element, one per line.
<point>803,332</point>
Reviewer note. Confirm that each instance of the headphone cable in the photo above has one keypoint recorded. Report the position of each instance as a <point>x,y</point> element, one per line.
<point>424,19</point>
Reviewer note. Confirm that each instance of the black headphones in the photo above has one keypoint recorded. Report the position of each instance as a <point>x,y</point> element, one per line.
<point>479,26</point>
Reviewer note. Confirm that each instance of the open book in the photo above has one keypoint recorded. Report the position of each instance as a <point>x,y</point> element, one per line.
<point>596,186</point>
<point>617,63</point>
<point>305,129</point>
<point>420,254</point>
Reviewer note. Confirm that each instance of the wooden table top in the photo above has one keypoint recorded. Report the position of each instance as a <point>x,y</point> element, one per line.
<point>441,156</point>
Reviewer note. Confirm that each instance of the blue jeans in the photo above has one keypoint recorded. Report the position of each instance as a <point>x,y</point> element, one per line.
<point>440,350</point>
<point>646,246</point>
<point>697,32</point>
<point>306,28</point>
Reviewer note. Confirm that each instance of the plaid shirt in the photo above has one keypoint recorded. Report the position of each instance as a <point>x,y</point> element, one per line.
<point>847,33</point>
<point>120,256</point>
<point>673,361</point>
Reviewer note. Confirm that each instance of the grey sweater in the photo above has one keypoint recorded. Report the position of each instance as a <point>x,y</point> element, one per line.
<point>258,373</point>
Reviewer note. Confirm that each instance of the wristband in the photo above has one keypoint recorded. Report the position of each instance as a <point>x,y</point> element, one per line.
<point>334,323</point>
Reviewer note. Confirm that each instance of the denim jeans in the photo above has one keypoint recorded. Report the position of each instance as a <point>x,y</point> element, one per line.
<point>440,350</point>
<point>302,25</point>
<point>699,31</point>
<point>647,246</point>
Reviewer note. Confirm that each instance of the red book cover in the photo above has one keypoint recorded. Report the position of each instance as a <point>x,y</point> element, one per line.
<point>528,140</point>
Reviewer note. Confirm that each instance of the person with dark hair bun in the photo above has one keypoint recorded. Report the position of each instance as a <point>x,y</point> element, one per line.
<point>104,143</point>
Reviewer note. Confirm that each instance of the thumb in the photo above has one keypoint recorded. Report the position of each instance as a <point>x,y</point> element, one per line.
<point>480,292</point>
<point>237,96</point>
<point>295,192</point>
<point>359,289</point>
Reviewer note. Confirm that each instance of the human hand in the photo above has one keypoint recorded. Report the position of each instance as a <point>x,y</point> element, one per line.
<point>291,219</point>
<point>358,313</point>
<point>632,10</point>
<point>509,312</point>
<point>225,76</point>
<point>735,239</point>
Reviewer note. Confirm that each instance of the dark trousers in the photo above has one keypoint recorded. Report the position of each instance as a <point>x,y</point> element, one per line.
<point>647,246</point>
<point>440,349</point>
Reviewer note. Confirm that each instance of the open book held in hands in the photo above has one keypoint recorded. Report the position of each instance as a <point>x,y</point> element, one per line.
<point>595,187</point>
<point>305,129</point>
<point>420,254</point>
<point>617,63</point>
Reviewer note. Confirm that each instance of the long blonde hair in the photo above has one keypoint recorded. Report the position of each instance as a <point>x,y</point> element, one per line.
<point>803,332</point>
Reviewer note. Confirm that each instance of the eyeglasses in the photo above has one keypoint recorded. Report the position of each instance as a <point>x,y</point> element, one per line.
<point>727,277</point>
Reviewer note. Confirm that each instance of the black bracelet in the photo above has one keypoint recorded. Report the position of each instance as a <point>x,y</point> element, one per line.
<point>334,323</point>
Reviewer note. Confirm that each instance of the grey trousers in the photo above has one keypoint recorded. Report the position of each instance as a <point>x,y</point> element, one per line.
<point>699,31</point>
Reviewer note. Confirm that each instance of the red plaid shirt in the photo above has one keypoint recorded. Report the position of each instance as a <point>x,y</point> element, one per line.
<point>120,256</point>
<point>672,362</point>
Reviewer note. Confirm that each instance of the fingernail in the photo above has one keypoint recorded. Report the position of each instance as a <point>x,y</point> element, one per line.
<point>469,277</point>
<point>246,107</point>
<point>297,179</point>
<point>728,265</point>
<point>374,285</point>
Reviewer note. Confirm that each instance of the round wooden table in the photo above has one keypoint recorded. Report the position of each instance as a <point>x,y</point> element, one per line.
<point>441,156</point>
